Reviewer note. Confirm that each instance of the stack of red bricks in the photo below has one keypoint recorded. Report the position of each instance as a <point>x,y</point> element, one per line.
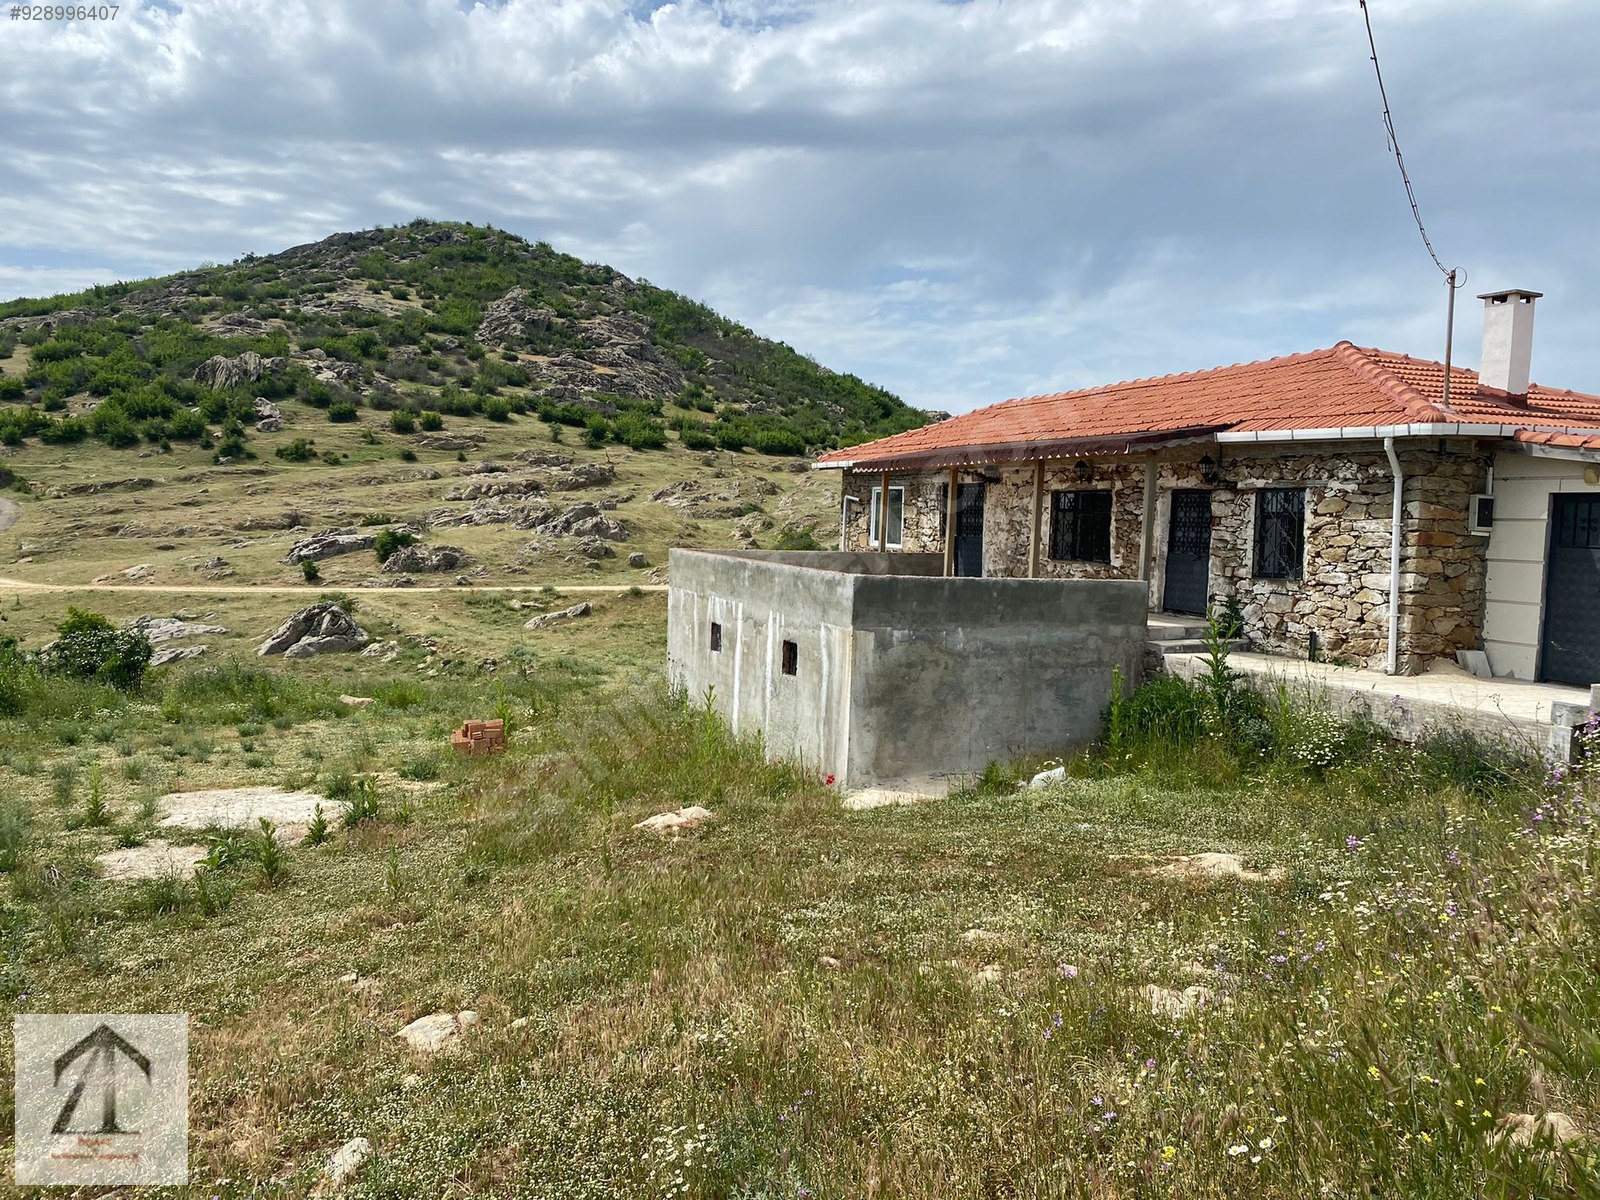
<point>479,737</point>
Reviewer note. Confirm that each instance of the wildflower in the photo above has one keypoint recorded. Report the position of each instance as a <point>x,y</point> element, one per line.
<point>1070,971</point>
<point>1352,843</point>
<point>1264,1144</point>
<point>1374,1072</point>
<point>1235,1150</point>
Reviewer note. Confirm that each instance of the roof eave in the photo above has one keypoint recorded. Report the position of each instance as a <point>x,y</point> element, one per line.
<point>1002,454</point>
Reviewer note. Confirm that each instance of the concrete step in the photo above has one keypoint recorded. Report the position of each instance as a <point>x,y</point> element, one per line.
<point>1176,631</point>
<point>1189,646</point>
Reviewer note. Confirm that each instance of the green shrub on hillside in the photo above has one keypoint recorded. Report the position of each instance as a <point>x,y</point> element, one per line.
<point>88,646</point>
<point>390,540</point>
<point>298,451</point>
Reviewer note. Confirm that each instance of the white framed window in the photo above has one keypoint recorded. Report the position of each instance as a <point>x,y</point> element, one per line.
<point>897,517</point>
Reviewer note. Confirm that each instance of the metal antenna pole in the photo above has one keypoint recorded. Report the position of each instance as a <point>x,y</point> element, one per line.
<point>1449,336</point>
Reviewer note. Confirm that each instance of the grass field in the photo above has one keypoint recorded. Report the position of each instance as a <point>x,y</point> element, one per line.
<point>797,999</point>
<point>176,511</point>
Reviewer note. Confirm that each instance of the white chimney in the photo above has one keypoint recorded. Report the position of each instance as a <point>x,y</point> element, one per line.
<point>1507,340</point>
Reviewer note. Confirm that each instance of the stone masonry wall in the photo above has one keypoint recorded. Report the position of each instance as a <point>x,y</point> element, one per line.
<point>1343,595</point>
<point>924,510</point>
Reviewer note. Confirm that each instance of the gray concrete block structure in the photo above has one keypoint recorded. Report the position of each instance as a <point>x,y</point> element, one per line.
<point>878,670</point>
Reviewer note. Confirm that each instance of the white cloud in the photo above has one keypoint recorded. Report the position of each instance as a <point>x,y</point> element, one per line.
<point>958,201</point>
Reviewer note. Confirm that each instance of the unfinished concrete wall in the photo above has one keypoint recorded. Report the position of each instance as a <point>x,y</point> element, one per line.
<point>898,676</point>
<point>952,674</point>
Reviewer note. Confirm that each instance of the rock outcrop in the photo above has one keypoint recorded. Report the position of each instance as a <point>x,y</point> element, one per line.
<point>329,544</point>
<point>269,417</point>
<point>544,620</point>
<point>424,559</point>
<point>317,629</point>
<point>583,520</point>
<point>219,371</point>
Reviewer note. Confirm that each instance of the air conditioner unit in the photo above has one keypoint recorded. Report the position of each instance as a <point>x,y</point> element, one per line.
<point>1480,514</point>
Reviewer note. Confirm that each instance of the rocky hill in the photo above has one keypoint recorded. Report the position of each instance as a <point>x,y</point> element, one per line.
<point>517,414</point>
<point>426,318</point>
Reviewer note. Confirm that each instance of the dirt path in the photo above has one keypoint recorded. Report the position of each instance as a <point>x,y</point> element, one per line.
<point>24,585</point>
<point>9,512</point>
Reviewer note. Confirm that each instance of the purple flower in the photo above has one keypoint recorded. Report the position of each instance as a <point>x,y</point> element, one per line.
<point>1352,843</point>
<point>1070,971</point>
<point>1150,1064</point>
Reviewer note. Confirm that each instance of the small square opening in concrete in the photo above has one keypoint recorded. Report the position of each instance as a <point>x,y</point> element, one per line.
<point>791,658</point>
<point>716,637</point>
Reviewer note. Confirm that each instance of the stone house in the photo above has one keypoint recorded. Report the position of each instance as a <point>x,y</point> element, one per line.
<point>1350,504</point>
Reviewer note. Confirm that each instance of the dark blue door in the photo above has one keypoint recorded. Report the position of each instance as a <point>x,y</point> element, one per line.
<point>969,530</point>
<point>1572,591</point>
<point>1188,584</point>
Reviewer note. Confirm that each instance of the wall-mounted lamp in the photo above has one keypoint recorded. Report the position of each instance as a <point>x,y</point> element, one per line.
<point>1083,470</point>
<point>1210,470</point>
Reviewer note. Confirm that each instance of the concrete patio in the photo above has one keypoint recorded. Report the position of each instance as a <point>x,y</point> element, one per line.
<point>1531,716</point>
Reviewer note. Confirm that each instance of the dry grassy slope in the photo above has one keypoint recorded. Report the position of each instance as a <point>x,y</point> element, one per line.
<point>194,511</point>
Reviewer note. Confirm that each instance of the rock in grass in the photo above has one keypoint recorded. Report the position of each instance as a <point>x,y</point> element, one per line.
<point>172,654</point>
<point>676,821</point>
<point>432,559</point>
<point>1217,866</point>
<point>172,629</point>
<point>1167,1002</point>
<point>438,1033</point>
<point>316,629</point>
<point>356,701</point>
<point>1545,1129</point>
<point>552,618</point>
<point>342,1164</point>
<point>1046,778</point>
<point>330,543</point>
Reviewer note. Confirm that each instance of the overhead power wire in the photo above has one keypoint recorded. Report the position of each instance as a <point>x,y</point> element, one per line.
<point>1394,145</point>
<point>1453,277</point>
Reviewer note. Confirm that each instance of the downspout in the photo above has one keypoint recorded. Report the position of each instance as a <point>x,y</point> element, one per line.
<point>1394,557</point>
<point>845,501</point>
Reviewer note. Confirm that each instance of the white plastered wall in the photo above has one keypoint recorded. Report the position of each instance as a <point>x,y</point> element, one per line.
<point>1514,594</point>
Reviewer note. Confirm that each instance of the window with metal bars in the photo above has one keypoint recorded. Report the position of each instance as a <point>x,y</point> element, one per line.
<point>1280,533</point>
<point>1080,526</point>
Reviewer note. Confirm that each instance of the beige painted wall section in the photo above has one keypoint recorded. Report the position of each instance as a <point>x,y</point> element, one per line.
<point>1514,594</point>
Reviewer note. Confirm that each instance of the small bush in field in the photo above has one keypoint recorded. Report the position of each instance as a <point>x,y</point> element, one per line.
<point>390,540</point>
<point>298,451</point>
<point>431,421</point>
<point>88,646</point>
<point>402,421</point>
<point>310,570</point>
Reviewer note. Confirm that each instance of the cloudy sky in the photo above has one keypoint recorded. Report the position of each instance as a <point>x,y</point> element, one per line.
<point>960,201</point>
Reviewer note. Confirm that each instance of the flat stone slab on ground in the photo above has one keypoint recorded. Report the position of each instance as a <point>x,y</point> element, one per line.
<point>672,822</point>
<point>243,808</point>
<point>1216,866</point>
<point>153,860</point>
<point>437,1033</point>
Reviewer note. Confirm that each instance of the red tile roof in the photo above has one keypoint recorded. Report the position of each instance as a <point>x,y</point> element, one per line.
<point>1344,387</point>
